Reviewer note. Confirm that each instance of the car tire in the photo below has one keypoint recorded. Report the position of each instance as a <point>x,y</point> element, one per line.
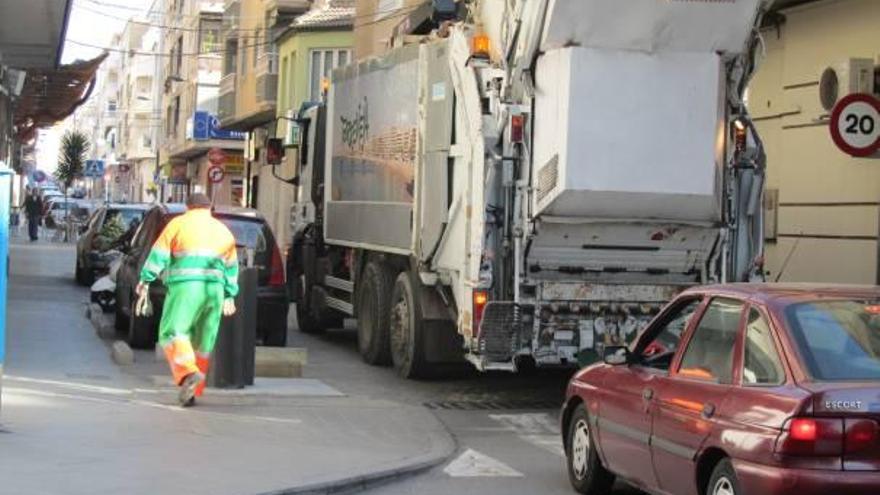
<point>78,275</point>
<point>120,322</point>
<point>373,313</point>
<point>585,470</point>
<point>407,325</point>
<point>723,480</point>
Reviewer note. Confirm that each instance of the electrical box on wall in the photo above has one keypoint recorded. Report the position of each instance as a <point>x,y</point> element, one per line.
<point>853,75</point>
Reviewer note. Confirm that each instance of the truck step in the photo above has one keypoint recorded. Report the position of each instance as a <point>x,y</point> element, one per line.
<point>339,283</point>
<point>340,305</point>
<point>499,331</point>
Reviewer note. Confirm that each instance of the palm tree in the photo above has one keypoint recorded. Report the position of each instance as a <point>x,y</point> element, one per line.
<point>74,148</point>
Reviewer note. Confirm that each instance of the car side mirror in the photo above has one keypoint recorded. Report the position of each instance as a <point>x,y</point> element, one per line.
<point>616,355</point>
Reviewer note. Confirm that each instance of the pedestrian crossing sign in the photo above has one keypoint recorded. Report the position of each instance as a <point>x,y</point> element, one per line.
<point>94,168</point>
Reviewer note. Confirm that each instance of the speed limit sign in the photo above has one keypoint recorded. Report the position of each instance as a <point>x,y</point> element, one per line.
<point>855,125</point>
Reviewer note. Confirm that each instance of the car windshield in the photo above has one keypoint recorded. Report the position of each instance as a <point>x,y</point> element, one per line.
<point>248,233</point>
<point>128,216</point>
<point>840,339</point>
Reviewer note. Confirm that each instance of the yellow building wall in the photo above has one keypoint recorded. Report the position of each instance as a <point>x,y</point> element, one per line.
<point>829,203</point>
<point>251,43</point>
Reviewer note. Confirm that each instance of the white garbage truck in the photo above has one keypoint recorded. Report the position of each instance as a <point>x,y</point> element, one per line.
<point>530,183</point>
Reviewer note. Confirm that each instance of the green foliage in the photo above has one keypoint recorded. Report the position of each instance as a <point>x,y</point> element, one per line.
<point>112,230</point>
<point>74,148</point>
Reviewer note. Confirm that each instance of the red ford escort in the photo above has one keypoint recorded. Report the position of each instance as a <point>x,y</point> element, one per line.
<point>736,389</point>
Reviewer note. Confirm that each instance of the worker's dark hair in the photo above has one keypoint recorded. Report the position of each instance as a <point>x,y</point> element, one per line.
<point>198,200</point>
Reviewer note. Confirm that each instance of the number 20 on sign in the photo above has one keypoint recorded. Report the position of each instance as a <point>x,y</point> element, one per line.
<point>855,125</point>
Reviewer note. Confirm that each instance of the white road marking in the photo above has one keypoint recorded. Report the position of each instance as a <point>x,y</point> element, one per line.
<point>472,464</point>
<point>538,429</point>
<point>71,385</point>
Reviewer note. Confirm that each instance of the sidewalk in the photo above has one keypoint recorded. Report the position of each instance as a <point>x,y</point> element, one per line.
<point>72,422</point>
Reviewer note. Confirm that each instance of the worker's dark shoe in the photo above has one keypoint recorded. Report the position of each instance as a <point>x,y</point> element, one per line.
<point>188,389</point>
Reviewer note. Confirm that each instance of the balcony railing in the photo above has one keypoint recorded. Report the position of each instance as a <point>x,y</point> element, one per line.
<point>231,16</point>
<point>226,100</point>
<point>267,78</point>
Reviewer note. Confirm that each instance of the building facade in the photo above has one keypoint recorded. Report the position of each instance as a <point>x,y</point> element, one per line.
<point>191,84</point>
<point>822,205</point>
<point>308,50</point>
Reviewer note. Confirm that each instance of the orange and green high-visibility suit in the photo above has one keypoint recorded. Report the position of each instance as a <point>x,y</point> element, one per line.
<point>196,256</point>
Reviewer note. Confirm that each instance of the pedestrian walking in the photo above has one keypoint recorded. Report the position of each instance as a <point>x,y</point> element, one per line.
<point>33,208</point>
<point>197,254</point>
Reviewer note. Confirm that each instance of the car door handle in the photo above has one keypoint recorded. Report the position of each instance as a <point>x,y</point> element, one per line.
<point>648,394</point>
<point>708,410</point>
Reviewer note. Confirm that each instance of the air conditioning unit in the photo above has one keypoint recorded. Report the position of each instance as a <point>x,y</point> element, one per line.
<point>853,75</point>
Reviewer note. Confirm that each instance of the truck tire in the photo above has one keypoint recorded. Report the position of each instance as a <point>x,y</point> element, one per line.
<point>373,314</point>
<point>407,327</point>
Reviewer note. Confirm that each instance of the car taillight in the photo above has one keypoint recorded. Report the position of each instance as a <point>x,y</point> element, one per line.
<point>276,273</point>
<point>861,434</point>
<point>827,436</point>
<point>812,437</point>
<point>480,298</point>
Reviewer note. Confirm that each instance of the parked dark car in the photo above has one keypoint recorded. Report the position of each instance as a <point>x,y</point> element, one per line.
<point>251,233</point>
<point>92,257</point>
<point>736,389</point>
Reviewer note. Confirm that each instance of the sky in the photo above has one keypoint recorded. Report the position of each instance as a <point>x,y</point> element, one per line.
<point>94,22</point>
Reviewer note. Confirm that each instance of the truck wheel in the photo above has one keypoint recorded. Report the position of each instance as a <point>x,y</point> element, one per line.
<point>407,348</point>
<point>373,314</point>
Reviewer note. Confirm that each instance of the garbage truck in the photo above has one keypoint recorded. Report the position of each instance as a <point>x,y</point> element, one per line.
<point>530,182</point>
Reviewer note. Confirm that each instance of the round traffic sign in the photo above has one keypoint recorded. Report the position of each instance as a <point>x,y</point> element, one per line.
<point>216,174</point>
<point>855,125</point>
<point>216,156</point>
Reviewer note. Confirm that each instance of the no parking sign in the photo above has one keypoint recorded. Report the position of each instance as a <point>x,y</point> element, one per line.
<point>855,125</point>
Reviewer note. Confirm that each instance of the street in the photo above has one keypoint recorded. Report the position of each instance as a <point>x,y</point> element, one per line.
<point>61,387</point>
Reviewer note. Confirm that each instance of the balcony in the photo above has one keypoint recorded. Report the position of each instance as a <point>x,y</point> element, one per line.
<point>231,16</point>
<point>226,103</point>
<point>267,78</point>
<point>285,6</point>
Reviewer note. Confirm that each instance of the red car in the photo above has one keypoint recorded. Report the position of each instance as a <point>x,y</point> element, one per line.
<point>736,389</point>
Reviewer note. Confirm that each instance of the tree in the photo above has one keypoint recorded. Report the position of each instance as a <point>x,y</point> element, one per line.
<point>74,147</point>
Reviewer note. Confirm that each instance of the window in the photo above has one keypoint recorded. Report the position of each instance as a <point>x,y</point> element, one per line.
<point>231,62</point>
<point>709,355</point>
<point>111,105</point>
<point>322,64</point>
<point>761,365</point>
<point>178,64</point>
<point>176,107</point>
<point>209,36</point>
<point>839,340</point>
<point>658,353</point>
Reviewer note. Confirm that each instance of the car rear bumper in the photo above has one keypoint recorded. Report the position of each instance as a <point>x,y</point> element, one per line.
<point>773,480</point>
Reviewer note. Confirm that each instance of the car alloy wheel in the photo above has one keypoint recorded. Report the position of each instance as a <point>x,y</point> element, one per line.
<point>723,486</point>
<point>580,449</point>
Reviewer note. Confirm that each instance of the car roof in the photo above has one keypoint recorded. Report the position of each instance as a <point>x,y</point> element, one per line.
<point>128,206</point>
<point>774,293</point>
<point>228,211</point>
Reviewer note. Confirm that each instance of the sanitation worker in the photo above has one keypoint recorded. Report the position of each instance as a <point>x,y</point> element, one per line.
<point>196,255</point>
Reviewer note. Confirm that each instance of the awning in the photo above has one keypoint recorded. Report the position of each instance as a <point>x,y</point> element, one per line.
<point>51,95</point>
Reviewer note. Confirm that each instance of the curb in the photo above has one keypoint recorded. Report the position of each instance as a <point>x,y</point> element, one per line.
<point>365,481</point>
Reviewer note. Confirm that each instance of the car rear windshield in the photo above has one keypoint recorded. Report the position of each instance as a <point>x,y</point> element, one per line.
<point>840,339</point>
<point>248,233</point>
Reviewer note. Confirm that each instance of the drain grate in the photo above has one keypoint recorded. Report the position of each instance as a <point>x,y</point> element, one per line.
<point>491,405</point>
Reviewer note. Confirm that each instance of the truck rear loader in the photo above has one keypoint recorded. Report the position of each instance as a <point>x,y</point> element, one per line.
<point>530,184</point>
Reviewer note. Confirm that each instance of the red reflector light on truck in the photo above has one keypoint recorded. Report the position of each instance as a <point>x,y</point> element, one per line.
<point>480,299</point>
<point>517,126</point>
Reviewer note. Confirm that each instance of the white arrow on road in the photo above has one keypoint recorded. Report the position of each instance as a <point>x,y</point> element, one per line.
<point>471,464</point>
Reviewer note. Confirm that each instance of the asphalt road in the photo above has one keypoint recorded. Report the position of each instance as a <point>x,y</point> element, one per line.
<point>506,425</point>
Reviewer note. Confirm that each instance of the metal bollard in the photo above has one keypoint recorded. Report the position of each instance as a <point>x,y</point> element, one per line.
<point>232,365</point>
<point>5,186</point>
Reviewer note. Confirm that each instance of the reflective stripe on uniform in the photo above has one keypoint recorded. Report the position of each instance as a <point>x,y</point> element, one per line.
<point>194,272</point>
